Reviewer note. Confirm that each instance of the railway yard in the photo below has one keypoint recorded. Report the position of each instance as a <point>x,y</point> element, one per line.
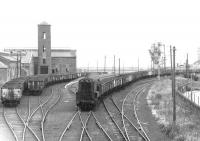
<point>123,115</point>
<point>53,116</point>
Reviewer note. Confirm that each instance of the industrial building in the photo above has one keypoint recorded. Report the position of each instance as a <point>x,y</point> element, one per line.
<point>40,60</point>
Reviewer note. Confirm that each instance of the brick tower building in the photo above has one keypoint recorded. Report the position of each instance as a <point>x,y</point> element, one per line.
<point>44,48</point>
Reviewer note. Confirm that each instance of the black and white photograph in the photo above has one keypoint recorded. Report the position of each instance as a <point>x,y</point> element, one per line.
<point>108,70</point>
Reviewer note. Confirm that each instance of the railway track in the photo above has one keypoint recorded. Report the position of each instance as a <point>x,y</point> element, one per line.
<point>81,120</point>
<point>87,122</point>
<point>46,107</point>
<point>32,118</point>
<point>10,127</point>
<point>84,119</point>
<point>130,101</point>
<point>84,126</point>
<point>17,124</point>
<point>129,128</point>
<point>118,122</point>
<point>115,118</point>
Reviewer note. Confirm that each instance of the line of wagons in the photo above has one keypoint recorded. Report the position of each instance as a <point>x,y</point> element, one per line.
<point>12,91</point>
<point>92,88</point>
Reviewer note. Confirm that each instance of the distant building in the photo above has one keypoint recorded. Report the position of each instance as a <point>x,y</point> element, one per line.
<point>8,67</point>
<point>3,72</point>
<point>62,61</point>
<point>43,60</point>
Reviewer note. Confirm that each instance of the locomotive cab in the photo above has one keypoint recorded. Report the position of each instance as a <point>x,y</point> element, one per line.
<point>86,96</point>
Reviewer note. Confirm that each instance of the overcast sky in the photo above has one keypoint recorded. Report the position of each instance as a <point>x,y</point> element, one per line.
<point>105,27</point>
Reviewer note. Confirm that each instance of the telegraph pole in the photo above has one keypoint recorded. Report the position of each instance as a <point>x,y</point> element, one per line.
<point>20,64</point>
<point>123,68</point>
<point>104,63</point>
<point>186,66</point>
<point>138,64</point>
<point>97,66</point>
<point>171,68</point>
<point>164,59</point>
<point>114,64</point>
<point>17,64</point>
<point>119,66</point>
<point>174,88</point>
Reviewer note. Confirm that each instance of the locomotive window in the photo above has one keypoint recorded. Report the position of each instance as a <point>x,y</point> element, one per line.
<point>98,88</point>
<point>85,87</point>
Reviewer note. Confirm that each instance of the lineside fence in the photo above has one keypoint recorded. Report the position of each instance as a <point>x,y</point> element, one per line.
<point>192,98</point>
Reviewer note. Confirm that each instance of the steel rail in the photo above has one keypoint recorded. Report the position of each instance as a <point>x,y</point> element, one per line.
<point>84,126</point>
<point>136,115</point>
<point>101,127</point>
<point>26,119</point>
<point>25,125</point>
<point>68,126</point>
<point>9,125</point>
<point>122,111</point>
<point>120,131</point>
<point>127,119</point>
<point>45,115</point>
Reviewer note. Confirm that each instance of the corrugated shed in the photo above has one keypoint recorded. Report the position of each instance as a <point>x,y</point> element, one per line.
<point>3,66</point>
<point>54,53</point>
<point>10,58</point>
<point>28,56</point>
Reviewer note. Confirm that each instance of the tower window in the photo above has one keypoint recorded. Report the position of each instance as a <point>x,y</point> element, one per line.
<point>44,61</point>
<point>44,35</point>
<point>44,48</point>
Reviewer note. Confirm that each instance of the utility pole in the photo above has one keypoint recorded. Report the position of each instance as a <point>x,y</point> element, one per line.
<point>20,64</point>
<point>138,64</point>
<point>171,68</point>
<point>119,66</point>
<point>97,66</point>
<point>174,88</point>
<point>114,64</point>
<point>17,64</point>
<point>104,63</point>
<point>123,68</point>
<point>164,59</point>
<point>186,66</point>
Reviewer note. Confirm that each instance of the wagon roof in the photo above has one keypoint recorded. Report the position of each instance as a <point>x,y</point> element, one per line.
<point>38,77</point>
<point>101,77</point>
<point>15,83</point>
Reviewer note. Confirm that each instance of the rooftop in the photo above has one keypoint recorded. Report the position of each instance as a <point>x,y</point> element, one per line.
<point>2,65</point>
<point>27,54</point>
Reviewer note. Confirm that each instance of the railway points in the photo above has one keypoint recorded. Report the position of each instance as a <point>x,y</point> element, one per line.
<point>53,115</point>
